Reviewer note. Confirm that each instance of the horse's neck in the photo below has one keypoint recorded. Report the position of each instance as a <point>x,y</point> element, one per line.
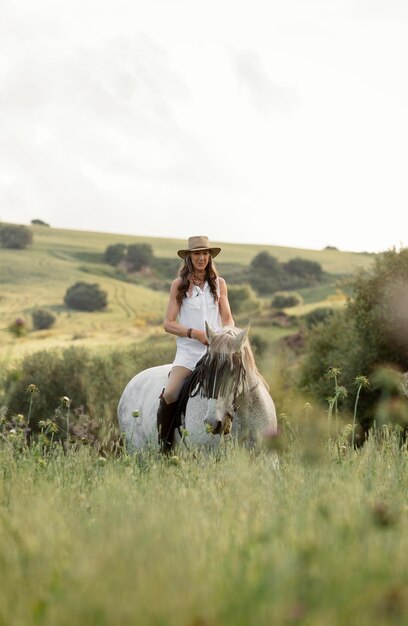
<point>255,405</point>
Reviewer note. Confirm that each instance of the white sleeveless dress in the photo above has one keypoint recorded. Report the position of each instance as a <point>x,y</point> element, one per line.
<point>197,308</point>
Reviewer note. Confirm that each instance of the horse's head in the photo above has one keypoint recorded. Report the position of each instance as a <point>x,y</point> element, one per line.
<point>224,377</point>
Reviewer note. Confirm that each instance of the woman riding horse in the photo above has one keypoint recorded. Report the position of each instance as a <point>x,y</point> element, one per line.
<point>198,295</point>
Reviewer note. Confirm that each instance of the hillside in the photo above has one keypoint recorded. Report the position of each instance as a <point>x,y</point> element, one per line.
<point>40,275</point>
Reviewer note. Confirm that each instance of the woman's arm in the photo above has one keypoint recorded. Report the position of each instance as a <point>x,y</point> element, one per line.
<point>170,320</point>
<point>225,309</point>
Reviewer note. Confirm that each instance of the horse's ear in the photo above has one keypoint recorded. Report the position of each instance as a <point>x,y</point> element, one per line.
<point>241,338</point>
<point>209,332</point>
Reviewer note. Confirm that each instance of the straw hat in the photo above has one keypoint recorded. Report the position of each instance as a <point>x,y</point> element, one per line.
<point>196,244</point>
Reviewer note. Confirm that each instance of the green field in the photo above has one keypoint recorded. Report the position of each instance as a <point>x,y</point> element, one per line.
<point>40,275</point>
<point>305,531</point>
<point>226,540</point>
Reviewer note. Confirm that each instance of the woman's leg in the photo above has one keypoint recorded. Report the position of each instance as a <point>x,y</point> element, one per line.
<point>174,385</point>
<point>168,406</point>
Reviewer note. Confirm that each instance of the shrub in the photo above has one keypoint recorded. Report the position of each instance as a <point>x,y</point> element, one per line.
<point>139,255</point>
<point>371,332</point>
<point>259,345</point>
<point>42,319</point>
<point>317,316</point>
<point>242,298</point>
<point>115,254</point>
<point>18,327</point>
<point>93,382</point>
<point>284,299</point>
<point>86,297</point>
<point>303,268</point>
<point>16,237</point>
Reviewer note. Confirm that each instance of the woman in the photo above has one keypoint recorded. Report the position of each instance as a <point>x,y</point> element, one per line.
<point>197,295</point>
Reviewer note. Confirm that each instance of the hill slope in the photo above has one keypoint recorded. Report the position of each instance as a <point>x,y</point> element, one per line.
<point>40,275</point>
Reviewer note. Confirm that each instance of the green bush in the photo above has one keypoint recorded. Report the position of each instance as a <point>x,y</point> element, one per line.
<point>42,319</point>
<point>16,237</point>
<point>242,298</point>
<point>115,254</point>
<point>370,333</point>
<point>317,316</point>
<point>18,327</point>
<point>303,268</point>
<point>285,299</point>
<point>139,255</point>
<point>85,297</point>
<point>92,382</point>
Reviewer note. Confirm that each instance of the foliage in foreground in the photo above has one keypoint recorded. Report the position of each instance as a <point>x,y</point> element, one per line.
<point>370,334</point>
<point>93,382</point>
<point>225,540</point>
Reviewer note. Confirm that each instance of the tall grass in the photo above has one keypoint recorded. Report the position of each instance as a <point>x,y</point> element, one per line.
<point>210,540</point>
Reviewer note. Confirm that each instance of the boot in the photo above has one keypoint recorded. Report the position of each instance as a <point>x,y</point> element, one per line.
<point>166,424</point>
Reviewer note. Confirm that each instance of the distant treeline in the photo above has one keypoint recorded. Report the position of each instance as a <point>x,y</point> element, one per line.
<point>265,273</point>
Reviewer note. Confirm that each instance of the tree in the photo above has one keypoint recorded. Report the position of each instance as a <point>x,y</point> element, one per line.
<point>15,236</point>
<point>139,255</point>
<point>115,254</point>
<point>265,273</point>
<point>37,222</point>
<point>86,297</point>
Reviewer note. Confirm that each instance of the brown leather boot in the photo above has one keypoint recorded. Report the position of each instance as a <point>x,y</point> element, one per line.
<point>166,424</point>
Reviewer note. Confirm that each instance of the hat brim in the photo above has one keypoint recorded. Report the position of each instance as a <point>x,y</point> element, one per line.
<point>213,251</point>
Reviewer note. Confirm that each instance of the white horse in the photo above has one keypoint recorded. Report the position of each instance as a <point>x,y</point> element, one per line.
<point>224,394</point>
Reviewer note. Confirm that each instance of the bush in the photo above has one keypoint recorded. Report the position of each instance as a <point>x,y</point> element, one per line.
<point>303,268</point>
<point>285,299</point>
<point>371,332</point>
<point>317,316</point>
<point>92,382</point>
<point>15,237</point>
<point>115,254</point>
<point>242,298</point>
<point>86,297</point>
<point>17,328</point>
<point>42,319</point>
<point>39,223</point>
<point>139,255</point>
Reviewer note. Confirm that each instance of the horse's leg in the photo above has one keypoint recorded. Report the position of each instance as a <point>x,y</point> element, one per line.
<point>168,405</point>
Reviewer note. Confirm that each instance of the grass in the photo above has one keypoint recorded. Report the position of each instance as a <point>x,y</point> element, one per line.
<point>225,541</point>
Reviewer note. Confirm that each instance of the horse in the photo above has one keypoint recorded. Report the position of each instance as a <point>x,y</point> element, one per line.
<point>224,395</point>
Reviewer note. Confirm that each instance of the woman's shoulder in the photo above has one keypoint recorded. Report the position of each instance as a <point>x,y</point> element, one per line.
<point>175,285</point>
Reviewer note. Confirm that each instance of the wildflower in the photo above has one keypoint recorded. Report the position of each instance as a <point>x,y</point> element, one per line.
<point>65,401</point>
<point>362,381</point>
<point>333,372</point>
<point>33,388</point>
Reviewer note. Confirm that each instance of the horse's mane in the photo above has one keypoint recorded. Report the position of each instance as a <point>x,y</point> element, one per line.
<point>221,371</point>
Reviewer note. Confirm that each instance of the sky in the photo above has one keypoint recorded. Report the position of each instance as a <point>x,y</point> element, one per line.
<point>273,122</point>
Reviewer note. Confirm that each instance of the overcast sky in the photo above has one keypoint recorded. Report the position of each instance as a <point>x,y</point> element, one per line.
<point>280,122</point>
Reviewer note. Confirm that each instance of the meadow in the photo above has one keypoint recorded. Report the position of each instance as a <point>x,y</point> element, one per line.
<point>228,539</point>
<point>306,531</point>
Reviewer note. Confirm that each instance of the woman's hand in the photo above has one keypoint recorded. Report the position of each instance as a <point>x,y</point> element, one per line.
<point>200,336</point>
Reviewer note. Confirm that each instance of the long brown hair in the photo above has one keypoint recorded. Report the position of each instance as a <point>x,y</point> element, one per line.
<point>187,270</point>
